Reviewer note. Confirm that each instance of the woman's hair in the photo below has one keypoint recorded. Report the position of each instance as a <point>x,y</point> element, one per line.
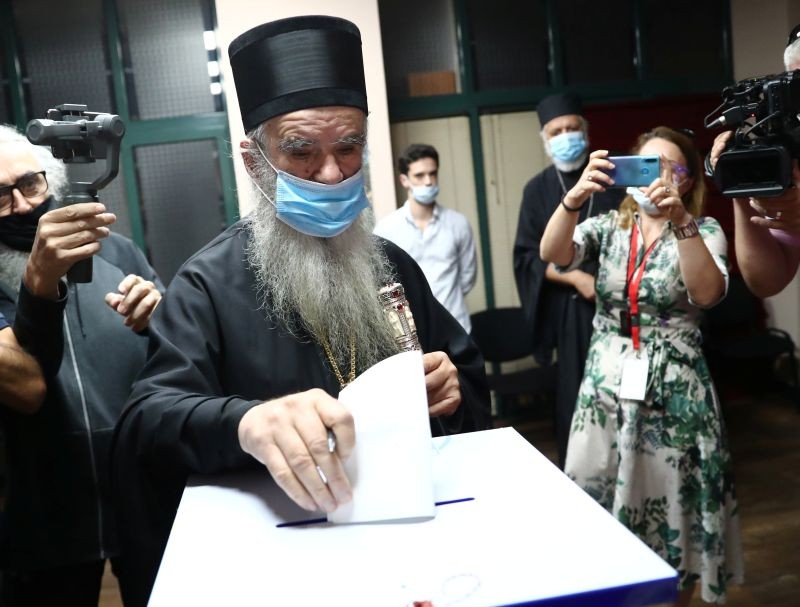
<point>694,197</point>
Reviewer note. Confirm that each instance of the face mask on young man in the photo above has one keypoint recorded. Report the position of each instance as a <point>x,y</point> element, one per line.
<point>425,194</point>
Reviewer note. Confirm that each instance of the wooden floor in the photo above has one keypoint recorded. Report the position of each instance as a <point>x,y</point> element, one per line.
<point>764,434</point>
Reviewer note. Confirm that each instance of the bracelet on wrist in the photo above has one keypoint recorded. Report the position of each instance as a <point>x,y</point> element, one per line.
<point>570,209</point>
<point>687,231</point>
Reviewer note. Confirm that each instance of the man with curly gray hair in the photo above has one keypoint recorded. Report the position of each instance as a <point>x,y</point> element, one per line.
<point>90,342</point>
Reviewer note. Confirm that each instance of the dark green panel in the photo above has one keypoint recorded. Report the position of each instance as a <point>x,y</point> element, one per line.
<point>11,50</point>
<point>228,178</point>
<point>468,85</point>
<point>556,64</point>
<point>128,171</point>
<point>115,55</point>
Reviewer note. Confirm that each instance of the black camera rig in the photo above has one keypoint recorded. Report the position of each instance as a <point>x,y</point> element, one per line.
<point>764,113</point>
<point>78,136</point>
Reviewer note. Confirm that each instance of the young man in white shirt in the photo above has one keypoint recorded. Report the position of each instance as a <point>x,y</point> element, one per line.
<point>439,239</point>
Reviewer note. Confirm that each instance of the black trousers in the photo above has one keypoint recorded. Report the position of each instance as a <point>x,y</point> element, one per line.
<point>72,586</point>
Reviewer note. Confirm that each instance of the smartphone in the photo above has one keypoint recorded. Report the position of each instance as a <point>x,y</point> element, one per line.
<point>634,171</point>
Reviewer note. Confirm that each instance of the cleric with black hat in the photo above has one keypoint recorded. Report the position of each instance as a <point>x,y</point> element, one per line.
<point>558,307</point>
<point>263,327</point>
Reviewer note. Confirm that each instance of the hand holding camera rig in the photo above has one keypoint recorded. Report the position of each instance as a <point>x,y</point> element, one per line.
<point>78,136</point>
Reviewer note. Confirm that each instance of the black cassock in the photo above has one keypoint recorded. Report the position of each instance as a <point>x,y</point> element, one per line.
<point>215,354</point>
<point>557,316</point>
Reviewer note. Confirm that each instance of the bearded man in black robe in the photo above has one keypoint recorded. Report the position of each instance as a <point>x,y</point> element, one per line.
<point>261,328</point>
<point>558,307</point>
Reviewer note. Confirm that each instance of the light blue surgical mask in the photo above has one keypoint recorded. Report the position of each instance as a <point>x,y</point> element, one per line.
<point>644,202</point>
<point>568,147</point>
<point>317,209</point>
<point>425,194</point>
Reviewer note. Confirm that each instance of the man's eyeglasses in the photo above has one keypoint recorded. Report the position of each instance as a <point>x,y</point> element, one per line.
<point>30,185</point>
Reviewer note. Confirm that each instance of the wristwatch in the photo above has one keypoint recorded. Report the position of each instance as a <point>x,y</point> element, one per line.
<point>687,231</point>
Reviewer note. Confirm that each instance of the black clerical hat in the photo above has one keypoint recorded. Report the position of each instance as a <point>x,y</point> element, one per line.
<point>557,105</point>
<point>297,63</point>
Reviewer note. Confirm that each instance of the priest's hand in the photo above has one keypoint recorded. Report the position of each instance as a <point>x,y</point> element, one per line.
<point>135,300</point>
<point>583,283</point>
<point>441,383</point>
<point>289,435</point>
<point>64,236</point>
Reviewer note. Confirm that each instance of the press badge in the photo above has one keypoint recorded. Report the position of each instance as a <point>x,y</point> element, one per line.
<point>633,384</point>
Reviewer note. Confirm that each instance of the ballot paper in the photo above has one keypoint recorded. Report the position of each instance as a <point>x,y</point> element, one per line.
<point>391,468</point>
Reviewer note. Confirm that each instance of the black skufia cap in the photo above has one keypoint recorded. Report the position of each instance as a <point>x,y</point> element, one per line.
<point>297,63</point>
<point>560,104</point>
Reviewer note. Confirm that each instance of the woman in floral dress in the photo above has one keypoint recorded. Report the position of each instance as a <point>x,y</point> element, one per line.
<point>647,440</point>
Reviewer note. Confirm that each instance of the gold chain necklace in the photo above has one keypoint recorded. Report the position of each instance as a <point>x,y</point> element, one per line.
<point>335,367</point>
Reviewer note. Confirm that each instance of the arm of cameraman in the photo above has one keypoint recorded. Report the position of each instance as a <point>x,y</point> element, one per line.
<point>63,236</point>
<point>767,264</point>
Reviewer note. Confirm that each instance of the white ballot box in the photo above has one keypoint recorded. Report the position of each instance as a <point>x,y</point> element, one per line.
<point>509,529</point>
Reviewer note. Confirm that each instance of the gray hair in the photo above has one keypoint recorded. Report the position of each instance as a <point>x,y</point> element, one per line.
<point>791,55</point>
<point>55,169</point>
<point>584,127</point>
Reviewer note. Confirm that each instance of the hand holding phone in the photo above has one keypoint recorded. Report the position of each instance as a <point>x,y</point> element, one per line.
<point>634,171</point>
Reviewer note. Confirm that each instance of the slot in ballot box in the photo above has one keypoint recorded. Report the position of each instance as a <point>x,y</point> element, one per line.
<point>510,529</point>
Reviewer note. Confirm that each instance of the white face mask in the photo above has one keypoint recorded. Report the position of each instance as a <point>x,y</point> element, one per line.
<point>425,194</point>
<point>644,202</point>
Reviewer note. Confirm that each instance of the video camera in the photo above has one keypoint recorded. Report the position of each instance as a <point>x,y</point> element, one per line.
<point>764,111</point>
<point>78,136</point>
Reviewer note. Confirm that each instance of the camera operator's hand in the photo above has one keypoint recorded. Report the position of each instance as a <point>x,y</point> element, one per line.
<point>136,300</point>
<point>64,236</point>
<point>781,212</point>
<point>584,284</point>
<point>720,141</point>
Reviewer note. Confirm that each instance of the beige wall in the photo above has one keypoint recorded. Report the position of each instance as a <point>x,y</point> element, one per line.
<point>237,16</point>
<point>513,153</point>
<point>759,31</point>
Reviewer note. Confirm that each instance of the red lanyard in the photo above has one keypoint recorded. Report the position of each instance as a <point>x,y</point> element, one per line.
<point>634,279</point>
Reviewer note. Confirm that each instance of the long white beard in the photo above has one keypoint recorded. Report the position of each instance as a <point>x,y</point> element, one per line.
<point>326,287</point>
<point>568,167</point>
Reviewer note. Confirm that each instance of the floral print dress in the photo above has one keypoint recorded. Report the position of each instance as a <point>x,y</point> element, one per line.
<point>661,466</point>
